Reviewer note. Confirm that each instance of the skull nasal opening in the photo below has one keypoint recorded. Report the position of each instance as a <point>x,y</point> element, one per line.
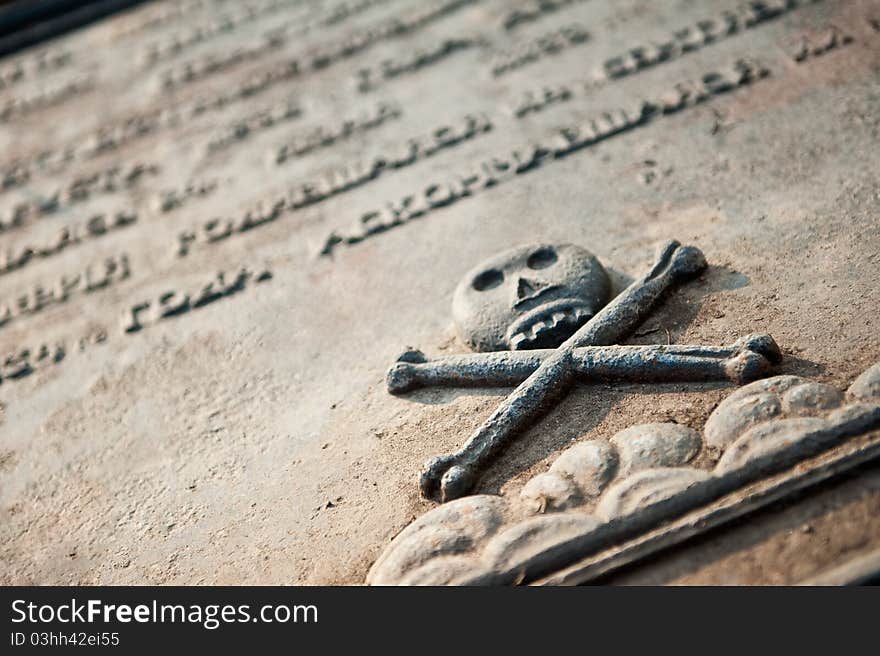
<point>526,288</point>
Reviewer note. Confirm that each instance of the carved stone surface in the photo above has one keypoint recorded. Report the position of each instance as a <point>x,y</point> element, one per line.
<point>533,296</point>
<point>652,445</point>
<point>221,222</point>
<point>653,485</point>
<point>580,472</point>
<point>580,284</point>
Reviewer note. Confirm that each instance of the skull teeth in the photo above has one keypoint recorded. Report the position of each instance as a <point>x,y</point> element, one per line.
<point>537,328</point>
<point>569,318</point>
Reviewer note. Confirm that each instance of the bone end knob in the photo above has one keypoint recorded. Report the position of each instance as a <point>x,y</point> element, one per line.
<point>747,367</point>
<point>762,345</point>
<point>401,376</point>
<point>688,261</point>
<point>458,481</point>
<point>444,479</point>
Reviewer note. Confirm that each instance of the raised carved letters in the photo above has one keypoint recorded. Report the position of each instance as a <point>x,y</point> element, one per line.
<point>55,95</point>
<point>324,136</point>
<point>536,100</point>
<point>370,78</point>
<point>545,45</point>
<point>174,303</point>
<point>355,43</point>
<point>498,169</point>
<point>79,190</point>
<point>534,10</point>
<point>256,122</point>
<point>22,362</point>
<point>14,258</point>
<point>96,276</point>
<point>218,26</point>
<point>33,66</point>
<point>170,199</point>
<point>694,37</point>
<point>816,45</point>
<point>336,182</point>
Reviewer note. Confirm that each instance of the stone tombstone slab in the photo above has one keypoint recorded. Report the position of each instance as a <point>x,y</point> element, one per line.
<point>222,223</point>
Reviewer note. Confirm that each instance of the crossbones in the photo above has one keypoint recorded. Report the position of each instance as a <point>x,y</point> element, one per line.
<point>590,354</point>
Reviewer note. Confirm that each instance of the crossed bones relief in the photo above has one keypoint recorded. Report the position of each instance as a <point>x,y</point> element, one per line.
<point>543,313</point>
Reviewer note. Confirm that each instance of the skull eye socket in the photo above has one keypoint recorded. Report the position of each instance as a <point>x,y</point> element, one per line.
<point>487,280</point>
<point>542,258</point>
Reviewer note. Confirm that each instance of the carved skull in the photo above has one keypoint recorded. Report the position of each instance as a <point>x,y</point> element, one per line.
<point>529,297</point>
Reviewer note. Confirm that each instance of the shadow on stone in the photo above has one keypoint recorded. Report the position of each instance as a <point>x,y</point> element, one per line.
<point>573,420</point>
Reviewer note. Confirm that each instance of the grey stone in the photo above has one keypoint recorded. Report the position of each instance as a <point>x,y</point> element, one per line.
<point>855,417</point>
<point>867,386</point>
<point>450,529</point>
<point>763,400</point>
<point>645,488</point>
<point>590,465</point>
<point>741,362</point>
<point>549,491</point>
<point>770,438</point>
<point>531,296</point>
<point>730,420</point>
<point>649,446</point>
<point>516,548</point>
<point>774,385</point>
<point>810,399</point>
<point>445,570</point>
<point>781,441</point>
<point>747,406</point>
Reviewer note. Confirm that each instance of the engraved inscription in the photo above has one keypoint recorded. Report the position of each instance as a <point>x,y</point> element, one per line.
<point>334,183</point>
<point>14,258</point>
<point>694,37</point>
<point>357,42</point>
<point>96,276</point>
<point>412,21</point>
<point>15,107</point>
<point>128,130</point>
<point>637,59</point>
<point>78,190</point>
<point>815,45</point>
<point>536,100</point>
<point>345,10</point>
<point>33,66</point>
<point>165,13</point>
<point>174,303</point>
<point>324,136</point>
<point>23,362</point>
<point>217,26</point>
<point>535,10</point>
<point>170,199</point>
<point>207,65</point>
<point>570,139</point>
<point>256,122</point>
<point>370,78</point>
<point>547,44</point>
